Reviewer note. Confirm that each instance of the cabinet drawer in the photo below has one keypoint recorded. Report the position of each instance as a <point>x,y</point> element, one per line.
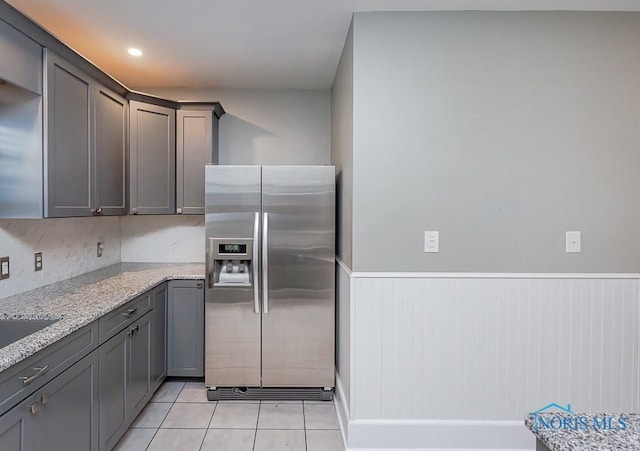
<point>55,359</point>
<point>114,322</point>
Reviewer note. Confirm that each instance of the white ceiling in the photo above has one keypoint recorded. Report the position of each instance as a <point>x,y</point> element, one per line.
<point>262,44</point>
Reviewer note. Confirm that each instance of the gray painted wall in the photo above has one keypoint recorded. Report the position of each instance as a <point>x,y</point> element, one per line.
<point>502,131</point>
<point>267,126</point>
<point>342,149</point>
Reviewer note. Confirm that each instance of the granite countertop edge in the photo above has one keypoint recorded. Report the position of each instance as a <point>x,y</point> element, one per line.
<point>81,300</point>
<point>586,437</point>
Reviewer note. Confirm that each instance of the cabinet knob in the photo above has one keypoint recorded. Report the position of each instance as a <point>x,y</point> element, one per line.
<point>179,211</point>
<point>198,285</point>
<point>99,211</point>
<point>44,398</point>
<point>134,211</point>
<point>93,211</point>
<point>33,408</point>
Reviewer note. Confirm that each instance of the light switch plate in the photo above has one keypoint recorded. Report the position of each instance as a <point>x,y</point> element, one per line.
<point>4,268</point>
<point>432,241</point>
<point>99,249</point>
<point>573,244</point>
<point>37,261</point>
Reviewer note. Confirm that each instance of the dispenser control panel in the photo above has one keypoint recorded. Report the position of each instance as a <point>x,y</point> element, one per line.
<point>232,249</point>
<point>232,263</point>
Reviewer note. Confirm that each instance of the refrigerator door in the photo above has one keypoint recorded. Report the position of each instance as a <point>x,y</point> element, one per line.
<point>232,314</point>
<point>298,280</point>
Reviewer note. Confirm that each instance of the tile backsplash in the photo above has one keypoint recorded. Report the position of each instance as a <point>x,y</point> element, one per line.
<point>174,238</point>
<point>68,247</point>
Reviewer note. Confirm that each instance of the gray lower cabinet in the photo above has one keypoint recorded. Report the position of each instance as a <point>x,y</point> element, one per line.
<point>68,412</point>
<point>152,157</point>
<point>113,386</point>
<point>139,381</point>
<point>18,429</point>
<point>60,416</point>
<point>125,383</point>
<point>159,336</point>
<point>196,145</point>
<point>185,328</point>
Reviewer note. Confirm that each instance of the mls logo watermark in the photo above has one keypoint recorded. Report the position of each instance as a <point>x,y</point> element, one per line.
<point>564,419</point>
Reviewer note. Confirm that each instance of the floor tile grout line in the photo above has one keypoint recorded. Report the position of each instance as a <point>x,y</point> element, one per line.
<point>304,424</point>
<point>255,435</point>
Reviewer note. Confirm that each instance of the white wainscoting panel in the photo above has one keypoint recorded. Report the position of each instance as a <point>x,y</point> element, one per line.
<point>343,332</point>
<point>491,349</point>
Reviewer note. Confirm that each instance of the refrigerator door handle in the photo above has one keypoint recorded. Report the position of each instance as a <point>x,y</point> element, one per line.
<point>256,290</point>
<point>265,263</point>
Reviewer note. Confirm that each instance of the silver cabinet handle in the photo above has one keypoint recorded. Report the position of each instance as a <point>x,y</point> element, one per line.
<point>256,290</point>
<point>93,211</point>
<point>39,372</point>
<point>199,286</point>
<point>44,398</point>
<point>265,262</point>
<point>179,211</point>
<point>128,313</point>
<point>99,211</point>
<point>134,211</point>
<point>33,408</point>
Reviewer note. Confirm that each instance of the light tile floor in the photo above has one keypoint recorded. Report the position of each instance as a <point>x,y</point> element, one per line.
<point>180,418</point>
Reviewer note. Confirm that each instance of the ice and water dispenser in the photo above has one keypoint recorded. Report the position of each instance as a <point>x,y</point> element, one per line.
<point>232,262</point>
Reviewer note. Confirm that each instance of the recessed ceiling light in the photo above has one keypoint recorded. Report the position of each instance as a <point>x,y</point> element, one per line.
<point>134,52</point>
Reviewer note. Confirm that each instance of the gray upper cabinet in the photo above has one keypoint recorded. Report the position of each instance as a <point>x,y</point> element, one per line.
<point>197,145</point>
<point>69,154</point>
<point>25,57</point>
<point>111,138</point>
<point>21,174</point>
<point>152,159</point>
<point>86,136</point>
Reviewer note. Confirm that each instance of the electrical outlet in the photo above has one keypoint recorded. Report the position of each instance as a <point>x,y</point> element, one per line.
<point>432,241</point>
<point>100,248</point>
<point>38,261</point>
<point>4,268</point>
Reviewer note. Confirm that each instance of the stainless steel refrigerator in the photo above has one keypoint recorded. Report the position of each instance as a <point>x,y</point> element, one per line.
<point>270,303</point>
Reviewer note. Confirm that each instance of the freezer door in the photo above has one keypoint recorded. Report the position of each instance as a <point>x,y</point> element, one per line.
<point>232,321</point>
<point>298,280</point>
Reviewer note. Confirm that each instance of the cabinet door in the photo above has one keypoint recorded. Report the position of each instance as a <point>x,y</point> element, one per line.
<point>194,149</point>
<point>68,414</point>
<point>186,329</point>
<point>152,159</point>
<point>113,384</point>
<point>159,337</point>
<point>17,429</point>
<point>110,138</point>
<point>68,152</point>
<point>139,380</point>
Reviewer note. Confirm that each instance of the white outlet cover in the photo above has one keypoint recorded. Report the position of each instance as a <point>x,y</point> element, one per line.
<point>573,242</point>
<point>432,241</point>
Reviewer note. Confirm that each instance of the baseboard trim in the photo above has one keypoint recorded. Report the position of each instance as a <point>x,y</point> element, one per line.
<point>342,408</point>
<point>432,435</point>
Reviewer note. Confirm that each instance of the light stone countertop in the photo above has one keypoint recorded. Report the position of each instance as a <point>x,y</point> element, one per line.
<point>583,436</point>
<point>81,300</point>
